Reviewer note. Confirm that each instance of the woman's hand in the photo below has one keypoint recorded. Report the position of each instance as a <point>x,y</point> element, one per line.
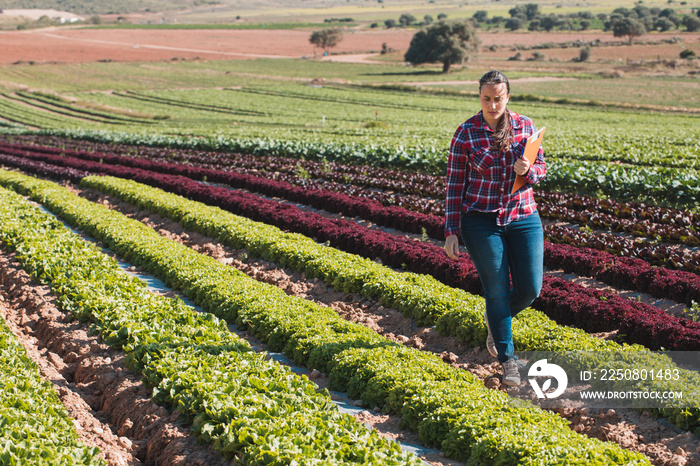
<point>522,166</point>
<point>452,246</point>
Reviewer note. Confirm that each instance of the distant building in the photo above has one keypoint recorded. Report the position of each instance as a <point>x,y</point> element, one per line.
<point>35,13</point>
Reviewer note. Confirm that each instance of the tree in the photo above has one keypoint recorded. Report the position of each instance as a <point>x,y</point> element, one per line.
<point>406,19</point>
<point>667,12</point>
<point>514,23</point>
<point>671,15</point>
<point>691,23</point>
<point>427,19</point>
<point>641,11</point>
<point>390,23</point>
<point>549,22</point>
<point>444,42</point>
<point>326,38</point>
<point>629,27</point>
<point>532,10</point>
<point>623,12</point>
<point>518,12</point>
<point>663,24</point>
<point>480,16</point>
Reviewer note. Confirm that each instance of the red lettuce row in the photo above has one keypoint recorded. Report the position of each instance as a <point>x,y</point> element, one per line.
<point>625,272</point>
<point>392,217</point>
<point>568,303</point>
<point>675,285</point>
<point>392,180</point>
<point>361,175</point>
<point>655,222</point>
<point>42,169</point>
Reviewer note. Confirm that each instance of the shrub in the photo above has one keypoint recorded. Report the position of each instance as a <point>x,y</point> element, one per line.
<point>406,19</point>
<point>691,23</point>
<point>584,53</point>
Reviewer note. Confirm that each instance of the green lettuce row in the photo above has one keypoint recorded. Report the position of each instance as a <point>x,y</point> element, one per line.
<point>658,185</point>
<point>237,400</point>
<point>402,380</point>
<point>35,427</point>
<point>452,311</point>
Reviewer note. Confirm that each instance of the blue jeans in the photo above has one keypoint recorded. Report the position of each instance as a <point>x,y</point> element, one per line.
<point>501,253</point>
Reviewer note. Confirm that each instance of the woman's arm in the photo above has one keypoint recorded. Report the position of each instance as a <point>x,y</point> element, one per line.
<point>456,178</point>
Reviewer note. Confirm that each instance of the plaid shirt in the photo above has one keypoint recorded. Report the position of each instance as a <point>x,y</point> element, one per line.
<point>479,179</point>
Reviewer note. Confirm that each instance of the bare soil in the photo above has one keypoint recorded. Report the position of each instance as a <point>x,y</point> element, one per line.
<point>76,45</point>
<point>64,45</point>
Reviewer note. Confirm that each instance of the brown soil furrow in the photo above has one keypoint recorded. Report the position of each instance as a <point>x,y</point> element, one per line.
<point>662,442</point>
<point>111,406</point>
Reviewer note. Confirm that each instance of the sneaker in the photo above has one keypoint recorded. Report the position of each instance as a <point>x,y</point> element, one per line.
<point>490,345</point>
<point>511,373</point>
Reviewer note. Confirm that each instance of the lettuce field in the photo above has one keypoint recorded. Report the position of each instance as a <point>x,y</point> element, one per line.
<point>236,267</point>
<point>372,236</point>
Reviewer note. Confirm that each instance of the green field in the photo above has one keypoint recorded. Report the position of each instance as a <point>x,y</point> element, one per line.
<point>261,99</point>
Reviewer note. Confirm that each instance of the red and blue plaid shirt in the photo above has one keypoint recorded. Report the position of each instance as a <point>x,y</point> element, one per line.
<point>480,179</point>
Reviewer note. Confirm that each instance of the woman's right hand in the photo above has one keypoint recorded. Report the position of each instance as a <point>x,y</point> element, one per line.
<point>452,246</point>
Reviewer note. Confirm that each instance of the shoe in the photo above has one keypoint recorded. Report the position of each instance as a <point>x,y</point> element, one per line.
<point>490,345</point>
<point>511,373</point>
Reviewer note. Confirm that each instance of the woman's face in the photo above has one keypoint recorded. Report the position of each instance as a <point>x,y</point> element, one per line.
<point>493,98</point>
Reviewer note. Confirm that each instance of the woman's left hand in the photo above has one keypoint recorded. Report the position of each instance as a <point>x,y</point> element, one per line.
<point>522,166</point>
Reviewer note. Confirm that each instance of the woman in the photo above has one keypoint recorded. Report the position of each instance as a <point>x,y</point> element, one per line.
<point>501,231</point>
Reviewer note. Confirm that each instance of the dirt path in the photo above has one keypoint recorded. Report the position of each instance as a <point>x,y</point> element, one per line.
<point>74,45</point>
<point>354,58</point>
<point>168,48</point>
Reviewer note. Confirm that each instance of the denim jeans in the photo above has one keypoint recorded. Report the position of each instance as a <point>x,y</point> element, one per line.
<point>501,254</point>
